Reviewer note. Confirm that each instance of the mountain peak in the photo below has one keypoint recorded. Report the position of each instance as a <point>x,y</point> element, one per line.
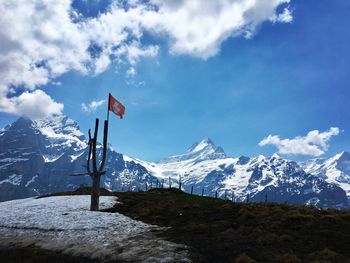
<point>203,150</point>
<point>199,146</point>
<point>343,162</point>
<point>22,121</point>
<point>59,130</point>
<point>344,155</point>
<point>276,156</point>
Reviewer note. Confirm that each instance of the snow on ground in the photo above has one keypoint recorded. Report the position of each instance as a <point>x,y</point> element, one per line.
<point>65,223</point>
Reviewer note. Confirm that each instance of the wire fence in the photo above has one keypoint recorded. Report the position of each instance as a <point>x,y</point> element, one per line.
<point>193,189</point>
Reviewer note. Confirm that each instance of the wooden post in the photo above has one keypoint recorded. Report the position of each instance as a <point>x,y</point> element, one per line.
<point>216,194</point>
<point>247,198</point>
<point>191,189</point>
<point>95,189</point>
<point>96,172</point>
<point>202,191</point>
<point>169,182</point>
<point>163,183</point>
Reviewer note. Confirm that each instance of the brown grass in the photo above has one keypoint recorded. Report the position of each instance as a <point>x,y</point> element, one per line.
<point>222,231</point>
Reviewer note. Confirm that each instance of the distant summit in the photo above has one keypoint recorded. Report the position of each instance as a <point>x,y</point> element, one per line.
<point>334,170</point>
<point>198,146</point>
<point>199,151</point>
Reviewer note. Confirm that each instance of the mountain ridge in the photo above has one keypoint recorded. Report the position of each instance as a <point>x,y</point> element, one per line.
<point>55,148</point>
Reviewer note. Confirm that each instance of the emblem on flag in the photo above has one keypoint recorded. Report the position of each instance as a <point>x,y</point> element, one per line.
<point>115,106</point>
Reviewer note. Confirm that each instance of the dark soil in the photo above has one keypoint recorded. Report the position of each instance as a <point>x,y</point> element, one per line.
<point>32,254</point>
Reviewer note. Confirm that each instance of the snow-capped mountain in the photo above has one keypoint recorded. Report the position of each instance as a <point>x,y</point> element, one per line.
<point>206,166</point>
<point>333,170</point>
<point>37,157</point>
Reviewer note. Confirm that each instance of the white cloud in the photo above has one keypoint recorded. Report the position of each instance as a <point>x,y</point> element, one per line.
<point>131,72</point>
<point>284,17</point>
<point>315,143</point>
<point>43,39</point>
<point>199,27</point>
<point>56,83</point>
<point>92,106</point>
<point>36,104</point>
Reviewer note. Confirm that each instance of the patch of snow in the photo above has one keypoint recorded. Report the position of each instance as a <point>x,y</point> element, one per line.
<point>14,179</point>
<point>64,223</point>
<point>76,156</point>
<point>5,166</point>
<point>51,158</point>
<point>313,202</point>
<point>239,180</point>
<point>13,160</point>
<point>32,180</point>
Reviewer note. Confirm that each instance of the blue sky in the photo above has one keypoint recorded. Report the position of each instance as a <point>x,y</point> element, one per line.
<point>287,79</point>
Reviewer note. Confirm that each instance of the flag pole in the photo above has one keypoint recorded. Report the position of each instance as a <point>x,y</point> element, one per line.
<point>109,99</point>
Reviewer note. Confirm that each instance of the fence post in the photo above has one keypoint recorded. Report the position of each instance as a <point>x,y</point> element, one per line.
<point>202,191</point>
<point>247,198</point>
<point>191,189</point>
<point>225,195</point>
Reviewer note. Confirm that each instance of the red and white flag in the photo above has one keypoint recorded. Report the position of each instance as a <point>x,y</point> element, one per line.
<point>115,106</point>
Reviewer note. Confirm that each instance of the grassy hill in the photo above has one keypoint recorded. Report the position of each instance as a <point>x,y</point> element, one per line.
<point>222,231</point>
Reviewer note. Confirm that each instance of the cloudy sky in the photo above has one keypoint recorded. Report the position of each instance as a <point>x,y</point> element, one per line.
<point>256,76</point>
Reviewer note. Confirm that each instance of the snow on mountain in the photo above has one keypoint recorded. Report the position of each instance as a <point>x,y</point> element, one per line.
<point>200,158</point>
<point>54,136</point>
<point>62,132</point>
<point>333,170</point>
<point>37,157</point>
<point>205,166</point>
<point>64,223</point>
<point>204,150</point>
